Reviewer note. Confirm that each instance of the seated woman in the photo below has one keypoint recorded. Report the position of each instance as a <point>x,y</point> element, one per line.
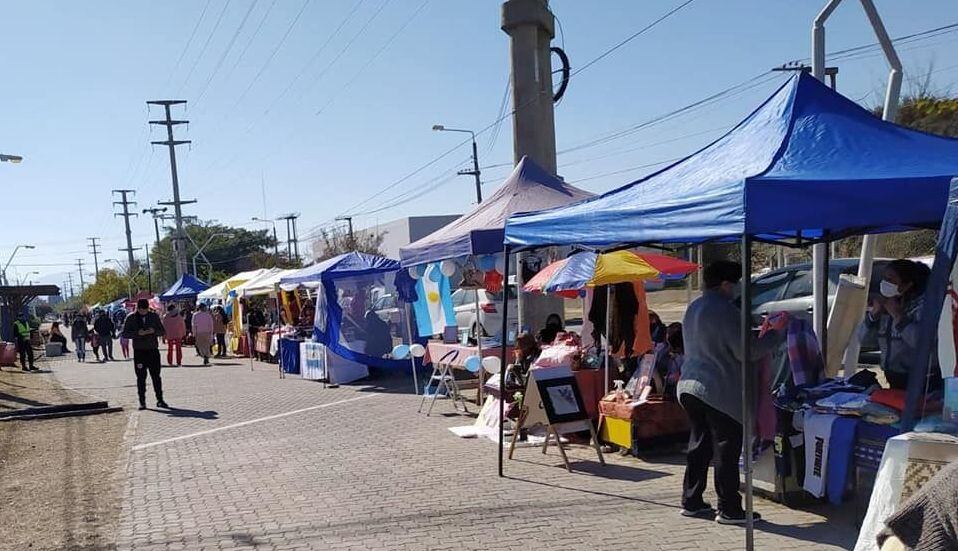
<point>894,317</point>
<point>552,328</point>
<point>57,336</point>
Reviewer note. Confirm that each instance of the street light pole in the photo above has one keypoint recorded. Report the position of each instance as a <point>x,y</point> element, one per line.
<point>200,250</point>
<point>9,260</point>
<point>275,239</point>
<point>475,158</point>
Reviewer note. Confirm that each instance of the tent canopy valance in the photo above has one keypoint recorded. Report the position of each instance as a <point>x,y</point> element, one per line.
<point>185,288</point>
<point>222,289</point>
<point>265,284</point>
<point>808,164</point>
<point>352,264</point>
<point>480,231</point>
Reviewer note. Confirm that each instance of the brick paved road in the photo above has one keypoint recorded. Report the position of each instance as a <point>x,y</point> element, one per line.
<point>360,469</point>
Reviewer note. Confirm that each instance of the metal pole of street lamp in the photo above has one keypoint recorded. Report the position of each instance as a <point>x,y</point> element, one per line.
<point>200,250</point>
<point>9,260</point>
<point>475,157</point>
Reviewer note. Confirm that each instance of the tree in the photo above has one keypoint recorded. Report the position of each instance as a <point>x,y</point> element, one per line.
<point>236,250</point>
<point>338,241</point>
<point>111,285</point>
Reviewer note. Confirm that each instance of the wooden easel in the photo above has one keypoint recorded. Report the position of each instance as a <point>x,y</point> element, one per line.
<point>534,413</point>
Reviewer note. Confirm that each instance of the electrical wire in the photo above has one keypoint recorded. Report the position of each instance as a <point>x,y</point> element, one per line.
<point>189,41</point>
<point>209,38</point>
<point>226,52</point>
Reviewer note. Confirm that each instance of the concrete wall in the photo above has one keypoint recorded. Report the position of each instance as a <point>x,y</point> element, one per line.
<point>399,233</point>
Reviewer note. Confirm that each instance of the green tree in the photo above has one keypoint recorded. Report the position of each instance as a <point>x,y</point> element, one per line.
<point>111,285</point>
<point>338,241</point>
<point>234,250</point>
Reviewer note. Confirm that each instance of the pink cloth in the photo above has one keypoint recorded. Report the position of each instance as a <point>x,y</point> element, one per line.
<point>175,327</point>
<point>202,323</point>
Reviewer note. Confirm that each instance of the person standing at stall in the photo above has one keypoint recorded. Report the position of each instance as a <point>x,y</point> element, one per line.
<point>144,327</point>
<point>219,329</point>
<point>710,391</point>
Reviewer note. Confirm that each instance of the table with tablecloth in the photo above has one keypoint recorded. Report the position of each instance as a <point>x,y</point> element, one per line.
<point>454,355</point>
<point>317,363</point>
<point>910,460</point>
<point>289,355</point>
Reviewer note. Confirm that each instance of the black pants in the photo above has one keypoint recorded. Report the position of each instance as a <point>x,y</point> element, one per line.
<point>220,345</point>
<point>147,361</point>
<point>26,352</point>
<point>714,438</point>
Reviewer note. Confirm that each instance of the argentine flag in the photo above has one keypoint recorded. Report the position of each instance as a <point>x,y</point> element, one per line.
<point>434,307</point>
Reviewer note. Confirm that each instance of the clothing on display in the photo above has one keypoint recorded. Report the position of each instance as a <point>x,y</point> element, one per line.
<point>841,445</point>
<point>818,431</point>
<point>804,353</point>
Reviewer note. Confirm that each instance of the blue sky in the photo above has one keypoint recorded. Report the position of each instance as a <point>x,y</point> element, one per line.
<point>323,129</point>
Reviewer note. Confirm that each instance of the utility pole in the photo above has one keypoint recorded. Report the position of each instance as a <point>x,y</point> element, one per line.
<point>80,269</point>
<point>157,214</point>
<point>531,27</point>
<point>126,214</point>
<point>149,272</point>
<point>349,220</point>
<point>70,280</point>
<point>93,248</point>
<point>179,246</point>
<point>292,240</point>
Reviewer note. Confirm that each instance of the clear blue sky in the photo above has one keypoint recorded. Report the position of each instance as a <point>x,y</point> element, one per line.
<point>326,135</point>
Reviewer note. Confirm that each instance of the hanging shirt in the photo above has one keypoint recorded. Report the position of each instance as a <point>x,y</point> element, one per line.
<point>818,433</point>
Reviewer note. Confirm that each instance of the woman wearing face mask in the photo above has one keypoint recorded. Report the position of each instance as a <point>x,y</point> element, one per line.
<point>893,318</point>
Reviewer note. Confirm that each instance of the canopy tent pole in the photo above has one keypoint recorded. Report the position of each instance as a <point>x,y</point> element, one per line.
<point>608,335</point>
<point>889,113</point>
<point>412,359</point>
<point>748,390</point>
<point>502,358</point>
<point>479,331</point>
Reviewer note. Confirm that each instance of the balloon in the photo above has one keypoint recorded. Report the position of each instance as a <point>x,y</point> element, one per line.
<point>417,350</point>
<point>487,263</point>
<point>501,264</point>
<point>492,364</point>
<point>401,351</point>
<point>473,364</point>
<point>435,274</point>
<point>414,272</point>
<point>447,267</point>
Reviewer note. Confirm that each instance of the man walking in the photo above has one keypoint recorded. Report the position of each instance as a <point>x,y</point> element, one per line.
<point>143,327</point>
<point>202,324</point>
<point>105,330</point>
<point>21,328</point>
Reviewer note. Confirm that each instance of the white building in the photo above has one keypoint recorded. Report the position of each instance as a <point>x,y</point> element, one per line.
<point>398,233</point>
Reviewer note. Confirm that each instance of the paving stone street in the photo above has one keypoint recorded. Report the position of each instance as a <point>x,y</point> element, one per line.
<point>247,460</point>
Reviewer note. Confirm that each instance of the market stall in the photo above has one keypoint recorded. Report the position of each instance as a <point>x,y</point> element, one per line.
<point>185,288</point>
<point>808,166</point>
<point>352,320</point>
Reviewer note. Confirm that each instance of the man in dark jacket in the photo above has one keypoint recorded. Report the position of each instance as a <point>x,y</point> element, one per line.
<point>105,331</point>
<point>143,327</point>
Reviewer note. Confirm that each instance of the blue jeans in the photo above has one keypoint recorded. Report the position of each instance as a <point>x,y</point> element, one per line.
<point>80,345</point>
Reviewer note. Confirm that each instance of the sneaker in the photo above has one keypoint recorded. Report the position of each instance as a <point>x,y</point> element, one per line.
<point>701,511</point>
<point>736,518</point>
<point>142,407</point>
<point>34,368</point>
<point>162,404</point>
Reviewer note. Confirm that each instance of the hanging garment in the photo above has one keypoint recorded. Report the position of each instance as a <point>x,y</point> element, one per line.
<point>587,337</point>
<point>492,281</point>
<point>804,353</point>
<point>765,418</point>
<point>841,444</point>
<point>643,332</point>
<point>405,286</point>
<point>434,311</point>
<point>818,432</point>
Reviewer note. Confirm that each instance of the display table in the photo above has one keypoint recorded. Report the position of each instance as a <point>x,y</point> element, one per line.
<point>318,363</point>
<point>454,356</point>
<point>655,421</point>
<point>910,461</point>
<point>590,385</point>
<point>239,344</point>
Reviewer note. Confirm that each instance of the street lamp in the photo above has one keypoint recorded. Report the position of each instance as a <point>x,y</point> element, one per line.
<point>23,279</point>
<point>15,159</point>
<point>7,265</point>
<point>475,157</point>
<point>275,239</point>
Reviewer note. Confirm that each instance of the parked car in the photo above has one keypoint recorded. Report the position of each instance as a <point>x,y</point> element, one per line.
<point>387,308</point>
<point>490,309</point>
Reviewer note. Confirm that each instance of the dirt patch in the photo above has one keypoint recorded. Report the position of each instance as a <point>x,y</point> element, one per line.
<point>58,488</point>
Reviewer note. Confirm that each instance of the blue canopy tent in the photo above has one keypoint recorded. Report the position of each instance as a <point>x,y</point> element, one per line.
<point>185,288</point>
<point>329,320</point>
<point>481,231</point>
<point>808,165</point>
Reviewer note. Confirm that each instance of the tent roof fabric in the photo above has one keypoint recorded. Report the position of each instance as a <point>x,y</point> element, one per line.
<point>345,265</point>
<point>221,289</point>
<point>264,284</point>
<point>480,231</point>
<point>806,162</point>
<point>186,287</point>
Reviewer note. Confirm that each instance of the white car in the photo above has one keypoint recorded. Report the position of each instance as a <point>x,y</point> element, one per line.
<point>490,310</point>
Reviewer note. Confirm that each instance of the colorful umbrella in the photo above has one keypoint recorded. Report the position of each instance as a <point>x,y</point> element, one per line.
<point>588,269</point>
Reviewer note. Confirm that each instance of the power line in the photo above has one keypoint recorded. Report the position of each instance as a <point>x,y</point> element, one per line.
<point>188,42</point>
<point>229,48</point>
<point>249,42</point>
<point>206,45</point>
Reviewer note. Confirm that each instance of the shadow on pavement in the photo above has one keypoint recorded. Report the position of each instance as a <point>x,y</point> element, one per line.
<point>596,492</point>
<point>180,412</point>
<point>4,397</point>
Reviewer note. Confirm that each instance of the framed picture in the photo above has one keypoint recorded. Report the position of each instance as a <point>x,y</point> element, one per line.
<point>562,400</point>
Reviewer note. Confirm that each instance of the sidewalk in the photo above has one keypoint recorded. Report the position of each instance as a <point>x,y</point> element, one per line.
<point>248,460</point>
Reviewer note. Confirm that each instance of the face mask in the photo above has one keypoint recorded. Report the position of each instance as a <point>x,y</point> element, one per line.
<point>888,289</point>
